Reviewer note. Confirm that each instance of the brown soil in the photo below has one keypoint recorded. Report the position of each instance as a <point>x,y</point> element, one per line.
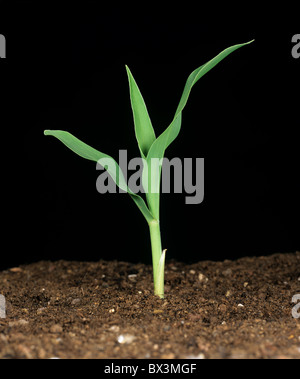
<point>231,309</point>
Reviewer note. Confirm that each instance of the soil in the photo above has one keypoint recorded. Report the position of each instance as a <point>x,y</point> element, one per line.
<point>231,309</point>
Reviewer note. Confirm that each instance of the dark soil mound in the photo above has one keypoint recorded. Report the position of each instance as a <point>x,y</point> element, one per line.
<point>240,309</point>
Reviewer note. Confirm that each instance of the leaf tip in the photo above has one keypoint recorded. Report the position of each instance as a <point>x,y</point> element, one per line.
<point>129,74</point>
<point>46,132</point>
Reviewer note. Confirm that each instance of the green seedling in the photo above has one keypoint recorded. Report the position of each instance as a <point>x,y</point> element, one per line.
<point>150,147</point>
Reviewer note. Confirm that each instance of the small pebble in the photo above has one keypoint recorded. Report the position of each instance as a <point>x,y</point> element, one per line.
<point>125,339</point>
<point>56,328</point>
<point>15,269</point>
<point>227,272</point>
<point>76,301</point>
<point>199,356</point>
<point>202,278</point>
<point>40,311</point>
<point>114,328</point>
<point>168,356</point>
<point>132,277</point>
<point>20,322</point>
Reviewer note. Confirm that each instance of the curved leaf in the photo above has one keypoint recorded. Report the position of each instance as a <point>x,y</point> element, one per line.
<point>157,149</point>
<point>87,152</point>
<point>169,135</point>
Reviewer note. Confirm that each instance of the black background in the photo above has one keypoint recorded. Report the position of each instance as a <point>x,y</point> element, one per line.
<point>65,69</point>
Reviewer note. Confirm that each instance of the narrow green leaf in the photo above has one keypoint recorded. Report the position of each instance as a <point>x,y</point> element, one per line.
<point>169,135</point>
<point>143,127</point>
<point>87,152</point>
<point>202,70</point>
<point>157,149</point>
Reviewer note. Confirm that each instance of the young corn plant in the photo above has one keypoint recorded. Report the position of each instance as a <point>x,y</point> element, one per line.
<point>150,147</point>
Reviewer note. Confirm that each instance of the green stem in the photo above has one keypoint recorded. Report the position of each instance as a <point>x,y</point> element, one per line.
<point>158,270</point>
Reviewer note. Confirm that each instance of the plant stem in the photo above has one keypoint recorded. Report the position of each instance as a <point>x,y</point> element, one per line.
<point>156,255</point>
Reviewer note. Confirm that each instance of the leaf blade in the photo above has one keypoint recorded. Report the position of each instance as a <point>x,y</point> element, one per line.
<point>144,131</point>
<point>202,70</point>
<point>169,135</point>
<point>85,151</point>
<point>159,146</point>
